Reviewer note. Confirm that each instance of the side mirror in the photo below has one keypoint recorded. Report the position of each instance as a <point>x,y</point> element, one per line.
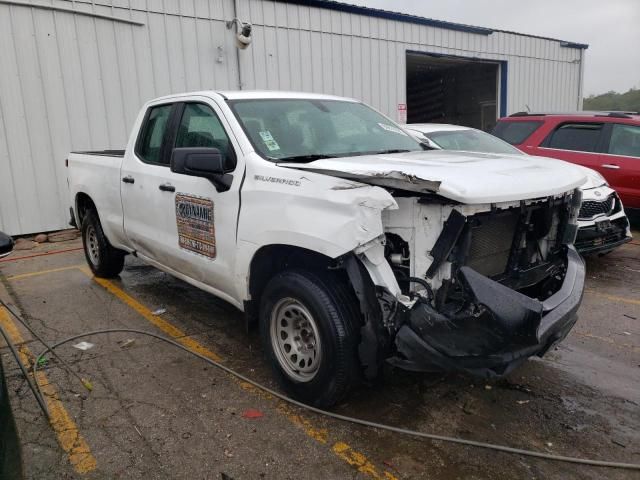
<point>6,244</point>
<point>202,162</point>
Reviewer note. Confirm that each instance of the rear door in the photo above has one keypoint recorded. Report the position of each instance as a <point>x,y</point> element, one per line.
<point>575,142</point>
<point>144,168</point>
<point>621,161</point>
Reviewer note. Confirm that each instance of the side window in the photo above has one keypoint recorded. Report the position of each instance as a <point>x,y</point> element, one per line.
<point>515,132</point>
<point>200,127</point>
<point>625,140</point>
<point>149,144</point>
<point>580,137</point>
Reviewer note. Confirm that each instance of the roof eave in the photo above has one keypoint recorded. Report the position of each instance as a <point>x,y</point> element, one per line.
<point>430,22</point>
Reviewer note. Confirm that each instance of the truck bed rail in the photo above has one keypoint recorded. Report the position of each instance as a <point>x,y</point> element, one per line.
<point>105,153</point>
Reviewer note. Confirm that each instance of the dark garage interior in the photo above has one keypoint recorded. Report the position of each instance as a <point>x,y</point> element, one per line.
<point>452,90</point>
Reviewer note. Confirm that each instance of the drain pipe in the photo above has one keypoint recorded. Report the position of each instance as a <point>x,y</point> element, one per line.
<point>235,15</point>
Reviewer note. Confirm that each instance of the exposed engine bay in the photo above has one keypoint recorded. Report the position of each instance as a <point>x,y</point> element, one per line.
<point>484,282</point>
<point>520,245</point>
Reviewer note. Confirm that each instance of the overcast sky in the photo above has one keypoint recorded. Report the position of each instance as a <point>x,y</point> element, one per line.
<point>610,27</point>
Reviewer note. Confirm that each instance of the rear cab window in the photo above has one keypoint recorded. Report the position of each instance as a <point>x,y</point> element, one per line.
<point>579,137</point>
<point>516,132</point>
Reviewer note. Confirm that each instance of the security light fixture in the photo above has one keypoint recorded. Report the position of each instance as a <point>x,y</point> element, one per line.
<point>243,34</point>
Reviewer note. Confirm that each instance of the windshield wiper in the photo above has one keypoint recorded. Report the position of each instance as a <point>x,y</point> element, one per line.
<point>303,158</point>
<point>426,146</point>
<point>379,152</point>
<point>312,157</point>
<point>395,150</point>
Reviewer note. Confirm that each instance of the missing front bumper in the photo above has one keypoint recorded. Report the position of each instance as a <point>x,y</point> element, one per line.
<point>500,331</point>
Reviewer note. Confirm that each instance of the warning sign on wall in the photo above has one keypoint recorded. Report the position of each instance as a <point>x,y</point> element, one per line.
<point>402,113</point>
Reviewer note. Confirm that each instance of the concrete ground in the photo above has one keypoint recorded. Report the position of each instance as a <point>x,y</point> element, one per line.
<point>156,412</point>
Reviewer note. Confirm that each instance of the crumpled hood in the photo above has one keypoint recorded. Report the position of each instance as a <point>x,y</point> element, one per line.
<point>594,179</point>
<point>470,178</point>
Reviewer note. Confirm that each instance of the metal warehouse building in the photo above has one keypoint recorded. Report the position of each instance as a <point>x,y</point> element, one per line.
<point>73,74</point>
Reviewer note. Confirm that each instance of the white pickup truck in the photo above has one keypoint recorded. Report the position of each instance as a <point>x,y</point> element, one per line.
<point>344,237</point>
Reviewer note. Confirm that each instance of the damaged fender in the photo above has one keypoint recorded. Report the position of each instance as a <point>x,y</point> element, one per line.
<point>329,216</point>
<point>495,331</point>
<point>379,297</point>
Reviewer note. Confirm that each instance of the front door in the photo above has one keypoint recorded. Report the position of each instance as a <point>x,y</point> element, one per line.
<point>144,168</point>
<point>202,230</point>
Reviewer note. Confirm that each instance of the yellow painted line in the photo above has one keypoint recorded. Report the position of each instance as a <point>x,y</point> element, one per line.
<point>340,449</point>
<point>41,272</point>
<point>613,298</point>
<point>66,430</point>
<point>178,335</point>
<point>359,461</point>
<point>610,341</point>
<point>318,434</point>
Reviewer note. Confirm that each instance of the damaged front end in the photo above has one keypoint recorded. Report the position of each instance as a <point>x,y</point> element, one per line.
<point>482,288</point>
<point>491,328</point>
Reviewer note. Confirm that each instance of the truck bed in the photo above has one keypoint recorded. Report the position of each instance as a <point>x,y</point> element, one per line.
<point>96,174</point>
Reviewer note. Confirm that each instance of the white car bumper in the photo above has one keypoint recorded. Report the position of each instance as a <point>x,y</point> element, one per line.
<point>602,222</point>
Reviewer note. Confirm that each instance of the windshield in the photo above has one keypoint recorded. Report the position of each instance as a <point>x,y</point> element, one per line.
<point>306,130</point>
<point>471,141</point>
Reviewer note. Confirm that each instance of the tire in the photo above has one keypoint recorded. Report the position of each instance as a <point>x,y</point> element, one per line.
<point>104,260</point>
<point>319,309</point>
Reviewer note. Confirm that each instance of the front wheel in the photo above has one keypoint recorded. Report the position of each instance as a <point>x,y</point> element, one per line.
<point>309,328</point>
<point>103,259</point>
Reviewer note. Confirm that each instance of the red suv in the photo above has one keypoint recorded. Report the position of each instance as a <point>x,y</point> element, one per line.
<point>608,142</point>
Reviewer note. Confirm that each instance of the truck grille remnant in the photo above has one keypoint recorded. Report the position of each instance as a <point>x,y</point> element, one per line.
<point>491,242</point>
<point>515,246</point>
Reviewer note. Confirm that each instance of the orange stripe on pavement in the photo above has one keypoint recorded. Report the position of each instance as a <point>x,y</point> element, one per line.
<point>66,430</point>
<point>36,255</point>
<point>41,272</point>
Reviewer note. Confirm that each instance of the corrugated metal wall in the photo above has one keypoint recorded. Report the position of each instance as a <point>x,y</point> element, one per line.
<point>302,48</point>
<point>72,82</point>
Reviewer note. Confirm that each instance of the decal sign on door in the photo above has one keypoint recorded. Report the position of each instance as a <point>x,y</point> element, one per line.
<point>196,228</point>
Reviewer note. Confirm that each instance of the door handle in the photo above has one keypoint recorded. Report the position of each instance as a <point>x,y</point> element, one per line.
<point>129,179</point>
<point>610,166</point>
<point>167,187</point>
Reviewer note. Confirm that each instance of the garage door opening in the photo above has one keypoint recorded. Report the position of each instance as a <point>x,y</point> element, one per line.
<point>452,90</point>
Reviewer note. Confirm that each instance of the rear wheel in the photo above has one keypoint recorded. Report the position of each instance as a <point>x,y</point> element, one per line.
<point>103,259</point>
<point>309,327</point>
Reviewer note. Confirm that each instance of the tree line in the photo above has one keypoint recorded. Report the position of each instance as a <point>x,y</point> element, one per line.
<point>628,101</point>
